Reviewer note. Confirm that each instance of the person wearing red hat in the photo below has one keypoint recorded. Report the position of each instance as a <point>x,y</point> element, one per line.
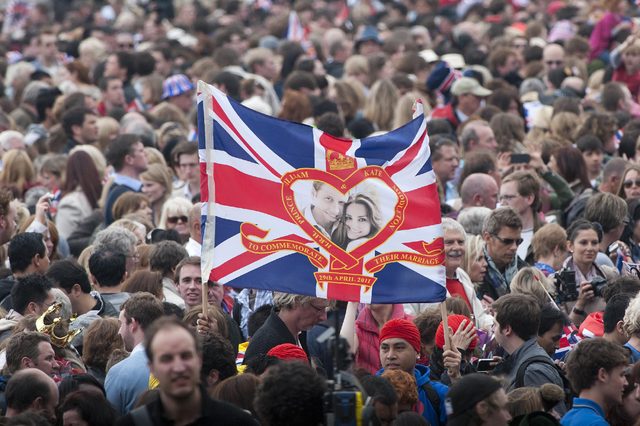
<point>288,352</point>
<point>463,336</point>
<point>399,350</point>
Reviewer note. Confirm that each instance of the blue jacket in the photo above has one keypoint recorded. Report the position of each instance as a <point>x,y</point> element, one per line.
<point>585,412</point>
<point>421,373</point>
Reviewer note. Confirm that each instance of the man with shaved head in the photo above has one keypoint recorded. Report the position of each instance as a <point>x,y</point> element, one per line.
<point>479,189</point>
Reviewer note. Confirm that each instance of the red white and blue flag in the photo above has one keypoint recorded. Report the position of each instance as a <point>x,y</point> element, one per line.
<point>287,207</point>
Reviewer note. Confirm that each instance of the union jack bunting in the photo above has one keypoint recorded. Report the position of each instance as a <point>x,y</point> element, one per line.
<point>289,208</point>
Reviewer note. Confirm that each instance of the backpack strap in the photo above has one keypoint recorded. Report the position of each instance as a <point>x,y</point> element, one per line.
<point>523,367</point>
<point>141,416</point>
<point>433,397</point>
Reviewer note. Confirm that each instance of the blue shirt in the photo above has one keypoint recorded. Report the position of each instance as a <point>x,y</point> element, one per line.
<point>585,412</point>
<point>127,380</point>
<point>635,354</point>
<point>130,182</point>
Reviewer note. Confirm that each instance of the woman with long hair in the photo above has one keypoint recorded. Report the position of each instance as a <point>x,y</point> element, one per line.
<point>360,221</point>
<point>18,173</point>
<point>80,193</point>
<point>568,162</point>
<point>157,186</point>
<point>629,188</point>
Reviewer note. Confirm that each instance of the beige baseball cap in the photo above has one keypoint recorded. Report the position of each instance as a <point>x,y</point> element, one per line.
<point>466,85</point>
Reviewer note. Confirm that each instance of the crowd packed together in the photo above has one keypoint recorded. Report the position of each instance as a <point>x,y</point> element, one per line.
<point>533,118</point>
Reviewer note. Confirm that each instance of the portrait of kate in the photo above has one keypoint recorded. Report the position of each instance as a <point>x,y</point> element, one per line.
<point>360,220</point>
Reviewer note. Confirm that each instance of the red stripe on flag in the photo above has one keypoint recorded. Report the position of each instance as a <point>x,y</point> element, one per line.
<point>408,156</point>
<point>204,183</point>
<point>340,145</point>
<point>422,208</point>
<point>217,109</point>
<point>245,259</point>
<point>236,189</point>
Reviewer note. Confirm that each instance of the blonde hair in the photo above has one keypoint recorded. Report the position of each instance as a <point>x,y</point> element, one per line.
<point>154,156</point>
<point>380,104</point>
<point>106,127</point>
<point>403,112</point>
<point>473,249</point>
<point>563,125</point>
<point>17,171</point>
<point>532,282</point>
<point>356,64</point>
<point>176,205</point>
<point>159,174</point>
<point>631,321</point>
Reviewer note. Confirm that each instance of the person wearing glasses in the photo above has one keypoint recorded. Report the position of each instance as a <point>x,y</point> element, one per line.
<point>629,188</point>
<point>521,191</point>
<point>291,317</point>
<point>502,234</point>
<point>553,56</point>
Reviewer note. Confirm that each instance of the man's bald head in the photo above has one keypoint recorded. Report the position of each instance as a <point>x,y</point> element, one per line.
<point>479,189</point>
<point>31,389</point>
<point>553,56</point>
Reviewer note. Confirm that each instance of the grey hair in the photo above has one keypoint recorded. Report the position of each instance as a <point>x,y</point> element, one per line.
<point>532,85</point>
<point>451,225</point>
<point>117,239</point>
<point>472,219</point>
<point>289,301</point>
<point>62,298</point>
<point>7,136</point>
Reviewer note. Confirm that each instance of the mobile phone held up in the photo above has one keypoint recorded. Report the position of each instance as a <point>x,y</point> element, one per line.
<point>520,158</point>
<point>485,365</point>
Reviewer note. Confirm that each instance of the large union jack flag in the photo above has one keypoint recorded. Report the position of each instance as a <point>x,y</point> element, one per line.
<point>289,208</point>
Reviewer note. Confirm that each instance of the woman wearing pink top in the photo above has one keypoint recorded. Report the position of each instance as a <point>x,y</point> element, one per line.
<point>363,333</point>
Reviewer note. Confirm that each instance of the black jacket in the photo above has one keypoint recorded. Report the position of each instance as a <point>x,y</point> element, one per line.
<point>213,413</point>
<point>273,332</point>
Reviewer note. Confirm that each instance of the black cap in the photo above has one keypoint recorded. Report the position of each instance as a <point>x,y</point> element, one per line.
<point>466,393</point>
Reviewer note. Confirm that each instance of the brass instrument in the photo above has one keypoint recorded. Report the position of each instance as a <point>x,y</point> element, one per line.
<point>52,314</point>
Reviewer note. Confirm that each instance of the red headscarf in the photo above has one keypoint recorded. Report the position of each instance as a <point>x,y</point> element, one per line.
<point>288,352</point>
<point>401,329</point>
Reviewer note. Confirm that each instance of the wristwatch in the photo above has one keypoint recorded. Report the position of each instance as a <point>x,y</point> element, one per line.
<point>579,311</point>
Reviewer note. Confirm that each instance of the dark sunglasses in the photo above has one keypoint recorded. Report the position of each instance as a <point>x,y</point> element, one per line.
<point>174,219</point>
<point>508,241</point>
<point>559,62</point>
<point>629,183</point>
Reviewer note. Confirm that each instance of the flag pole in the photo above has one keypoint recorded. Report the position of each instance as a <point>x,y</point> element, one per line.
<point>205,299</point>
<point>445,325</point>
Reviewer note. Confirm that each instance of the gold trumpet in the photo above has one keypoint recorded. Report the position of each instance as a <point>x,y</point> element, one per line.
<point>50,321</point>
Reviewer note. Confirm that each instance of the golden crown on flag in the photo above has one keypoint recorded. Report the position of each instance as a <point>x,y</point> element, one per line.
<point>49,328</point>
<point>337,161</point>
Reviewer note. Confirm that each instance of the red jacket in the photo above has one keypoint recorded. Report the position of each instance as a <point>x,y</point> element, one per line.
<point>448,113</point>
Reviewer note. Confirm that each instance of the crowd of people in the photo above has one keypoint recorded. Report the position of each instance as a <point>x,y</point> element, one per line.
<point>533,118</point>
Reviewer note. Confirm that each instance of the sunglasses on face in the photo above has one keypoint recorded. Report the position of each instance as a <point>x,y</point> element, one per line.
<point>508,241</point>
<point>630,183</point>
<point>559,62</point>
<point>174,219</point>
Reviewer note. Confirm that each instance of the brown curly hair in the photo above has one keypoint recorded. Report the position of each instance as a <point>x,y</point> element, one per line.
<point>405,386</point>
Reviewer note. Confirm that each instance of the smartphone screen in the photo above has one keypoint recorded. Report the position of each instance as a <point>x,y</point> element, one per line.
<point>486,364</point>
<point>520,158</point>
